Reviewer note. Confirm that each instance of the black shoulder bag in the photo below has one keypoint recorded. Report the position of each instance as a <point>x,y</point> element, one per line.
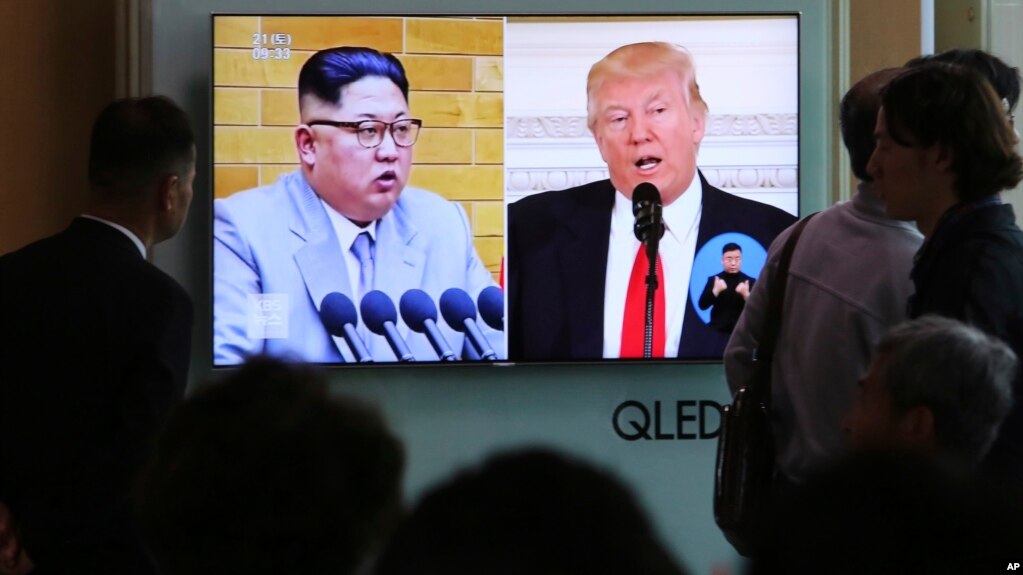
<point>745,459</point>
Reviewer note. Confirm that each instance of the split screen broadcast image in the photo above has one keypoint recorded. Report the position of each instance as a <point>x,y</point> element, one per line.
<point>445,189</point>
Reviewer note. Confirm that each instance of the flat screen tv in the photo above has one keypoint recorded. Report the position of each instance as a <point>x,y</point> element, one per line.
<point>450,189</point>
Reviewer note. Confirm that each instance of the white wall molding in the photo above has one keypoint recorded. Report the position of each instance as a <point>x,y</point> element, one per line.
<point>133,54</point>
<point>562,126</point>
<point>751,155</point>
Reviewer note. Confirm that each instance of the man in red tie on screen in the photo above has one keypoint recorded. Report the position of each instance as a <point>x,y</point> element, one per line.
<point>571,253</point>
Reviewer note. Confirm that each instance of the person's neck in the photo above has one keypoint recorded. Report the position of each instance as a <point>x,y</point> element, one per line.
<point>669,196</point>
<point>127,217</point>
<point>927,222</point>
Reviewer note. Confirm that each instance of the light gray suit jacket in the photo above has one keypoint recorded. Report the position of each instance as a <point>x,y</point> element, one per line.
<point>278,240</point>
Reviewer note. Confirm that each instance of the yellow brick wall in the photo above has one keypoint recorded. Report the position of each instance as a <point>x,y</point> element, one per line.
<point>455,72</point>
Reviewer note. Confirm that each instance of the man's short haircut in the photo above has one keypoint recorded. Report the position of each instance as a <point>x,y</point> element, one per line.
<point>954,107</point>
<point>962,374</point>
<point>265,473</point>
<point>530,511</point>
<point>731,247</point>
<point>1004,78</point>
<point>640,61</point>
<point>328,71</point>
<point>136,141</point>
<point>857,117</point>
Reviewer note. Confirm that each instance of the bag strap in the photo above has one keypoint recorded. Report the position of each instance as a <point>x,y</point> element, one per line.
<point>764,352</point>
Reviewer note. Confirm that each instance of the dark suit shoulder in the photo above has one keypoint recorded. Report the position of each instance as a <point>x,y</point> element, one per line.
<point>724,212</point>
<point>719,199</point>
<point>597,196</point>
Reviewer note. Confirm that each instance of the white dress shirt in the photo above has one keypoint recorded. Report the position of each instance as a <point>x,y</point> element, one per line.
<point>677,251</point>
<point>346,232</point>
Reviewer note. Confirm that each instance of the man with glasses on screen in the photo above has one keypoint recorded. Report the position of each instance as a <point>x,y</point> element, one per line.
<point>344,222</point>
<point>572,254</point>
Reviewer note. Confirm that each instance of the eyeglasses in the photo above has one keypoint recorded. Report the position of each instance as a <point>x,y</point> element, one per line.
<point>404,132</point>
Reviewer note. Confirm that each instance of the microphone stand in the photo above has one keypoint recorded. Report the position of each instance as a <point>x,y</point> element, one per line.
<point>649,228</point>
<point>651,291</point>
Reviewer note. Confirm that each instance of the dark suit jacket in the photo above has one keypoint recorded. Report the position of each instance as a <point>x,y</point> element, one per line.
<point>972,270</point>
<point>728,304</point>
<point>93,353</point>
<point>557,262</point>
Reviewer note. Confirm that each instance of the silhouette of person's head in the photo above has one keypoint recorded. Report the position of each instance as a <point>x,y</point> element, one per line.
<point>532,511</point>
<point>1004,78</point>
<point>266,473</point>
<point>857,116</point>
<point>142,166</point>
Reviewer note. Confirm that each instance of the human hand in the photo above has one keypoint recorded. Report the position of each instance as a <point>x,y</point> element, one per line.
<point>719,286</point>
<point>743,289</point>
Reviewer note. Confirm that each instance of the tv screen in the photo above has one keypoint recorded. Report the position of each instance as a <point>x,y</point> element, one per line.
<point>447,189</point>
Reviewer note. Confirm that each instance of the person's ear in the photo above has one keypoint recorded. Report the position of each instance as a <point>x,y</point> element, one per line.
<point>305,144</point>
<point>699,126</point>
<point>917,425</point>
<point>167,192</point>
<point>943,158</point>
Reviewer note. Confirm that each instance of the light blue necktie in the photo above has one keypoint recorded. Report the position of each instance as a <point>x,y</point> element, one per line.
<point>362,247</point>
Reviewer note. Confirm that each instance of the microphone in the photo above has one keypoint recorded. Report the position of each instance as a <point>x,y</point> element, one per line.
<point>491,304</point>
<point>649,227</point>
<point>646,207</point>
<point>337,313</point>
<point>460,313</point>
<point>420,313</point>
<point>379,315</point>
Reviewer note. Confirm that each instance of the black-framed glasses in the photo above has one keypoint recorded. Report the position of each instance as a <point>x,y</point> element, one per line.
<point>404,132</point>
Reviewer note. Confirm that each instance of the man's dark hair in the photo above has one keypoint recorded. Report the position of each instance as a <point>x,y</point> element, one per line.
<point>857,117</point>
<point>1004,78</point>
<point>328,71</point>
<point>265,473</point>
<point>532,511</point>
<point>135,141</point>
<point>954,107</point>
<point>731,247</point>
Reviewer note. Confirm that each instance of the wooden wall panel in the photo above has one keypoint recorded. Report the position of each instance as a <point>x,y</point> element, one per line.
<point>58,73</point>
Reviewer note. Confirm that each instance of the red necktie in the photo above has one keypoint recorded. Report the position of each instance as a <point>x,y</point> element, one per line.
<point>635,309</point>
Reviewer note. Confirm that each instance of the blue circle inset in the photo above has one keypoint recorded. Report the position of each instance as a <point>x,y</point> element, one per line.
<point>708,263</point>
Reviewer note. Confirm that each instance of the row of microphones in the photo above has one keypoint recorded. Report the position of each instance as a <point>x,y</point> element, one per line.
<point>337,312</point>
